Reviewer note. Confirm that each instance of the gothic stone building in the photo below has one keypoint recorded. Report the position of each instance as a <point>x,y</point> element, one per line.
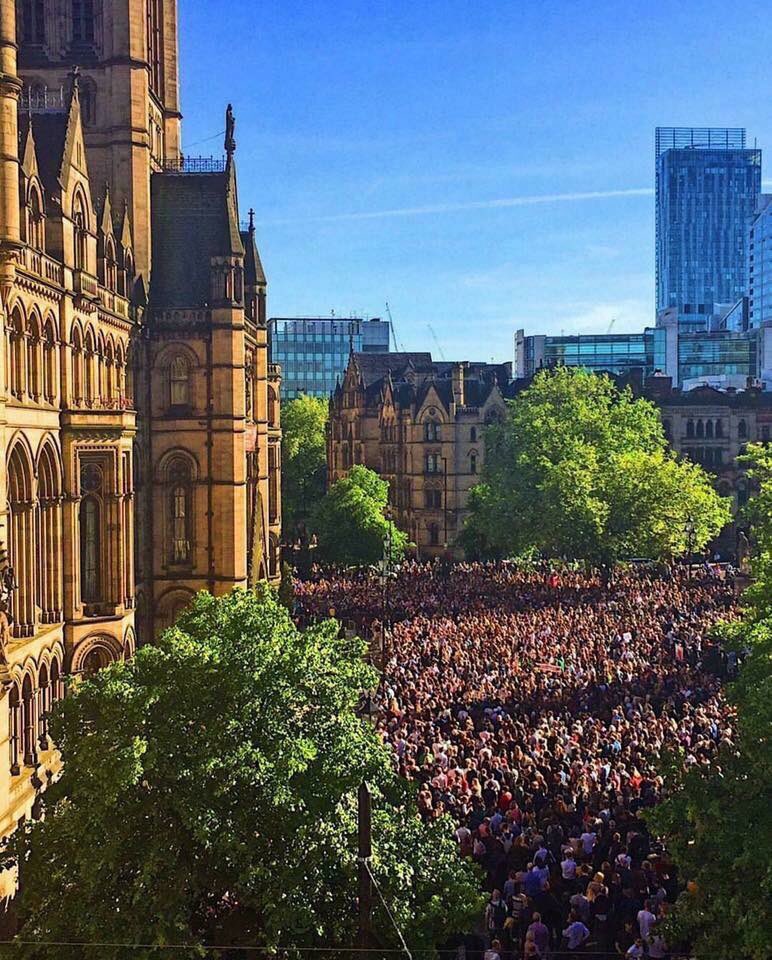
<point>139,439</point>
<point>419,424</point>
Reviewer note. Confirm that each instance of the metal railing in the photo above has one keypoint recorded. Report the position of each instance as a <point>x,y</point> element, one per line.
<point>194,165</point>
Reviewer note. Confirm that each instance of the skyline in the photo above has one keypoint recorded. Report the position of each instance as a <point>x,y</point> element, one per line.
<point>475,169</point>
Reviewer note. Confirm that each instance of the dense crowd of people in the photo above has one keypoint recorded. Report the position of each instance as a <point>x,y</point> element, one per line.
<point>532,706</point>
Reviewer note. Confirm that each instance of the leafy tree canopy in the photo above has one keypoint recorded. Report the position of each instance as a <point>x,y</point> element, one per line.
<point>209,796</point>
<point>582,470</point>
<point>304,458</point>
<point>351,523</point>
<point>718,819</point>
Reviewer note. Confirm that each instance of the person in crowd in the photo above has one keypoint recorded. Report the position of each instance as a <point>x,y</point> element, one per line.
<point>531,707</point>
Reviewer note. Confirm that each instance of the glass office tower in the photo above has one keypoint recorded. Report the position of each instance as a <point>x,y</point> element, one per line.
<point>707,185</point>
<point>313,351</point>
<point>760,264</point>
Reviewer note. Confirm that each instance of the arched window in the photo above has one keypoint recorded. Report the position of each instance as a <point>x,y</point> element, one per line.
<point>28,720</point>
<point>700,429</point>
<point>44,695</point>
<point>57,682</point>
<point>77,366</point>
<point>49,363</point>
<point>473,434</point>
<point>690,428</point>
<point>80,227</point>
<point>35,231</point>
<point>14,729</point>
<point>111,265</point>
<point>179,497</point>
<point>91,483</point>
<point>434,534</point>
<point>709,429</point>
<point>88,101</point>
<point>34,359</point>
<point>666,428</point>
<point>272,418</point>
<point>89,365</point>
<point>473,463</point>
<point>49,540</point>
<point>179,382</point>
<point>95,660</point>
<point>33,21</point>
<point>17,356</point>
<point>21,542</point>
<point>431,430</point>
<point>742,430</point>
<point>128,269</point>
<point>83,21</point>
<point>154,42</point>
<point>719,429</point>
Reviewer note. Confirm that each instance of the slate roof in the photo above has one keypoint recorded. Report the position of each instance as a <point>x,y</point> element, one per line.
<point>192,221</point>
<point>50,132</point>
<point>254,275</point>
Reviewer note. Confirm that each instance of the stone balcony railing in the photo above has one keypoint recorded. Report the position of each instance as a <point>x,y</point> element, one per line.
<point>39,263</point>
<point>86,285</point>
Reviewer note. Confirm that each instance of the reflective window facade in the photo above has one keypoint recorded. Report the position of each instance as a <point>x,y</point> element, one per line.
<point>707,184</point>
<point>614,353</point>
<point>716,354</point>
<point>313,351</point>
<point>760,264</point>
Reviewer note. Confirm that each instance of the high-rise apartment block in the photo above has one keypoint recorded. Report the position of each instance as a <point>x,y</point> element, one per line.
<point>707,185</point>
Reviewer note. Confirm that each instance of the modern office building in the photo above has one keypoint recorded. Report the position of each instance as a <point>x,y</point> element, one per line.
<point>707,185</point>
<point>313,351</point>
<point>720,356</point>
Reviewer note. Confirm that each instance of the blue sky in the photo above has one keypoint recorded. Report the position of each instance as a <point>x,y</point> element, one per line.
<point>483,166</point>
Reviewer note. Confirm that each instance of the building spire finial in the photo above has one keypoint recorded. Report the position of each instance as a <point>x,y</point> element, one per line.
<point>75,79</point>
<point>251,220</point>
<point>230,129</point>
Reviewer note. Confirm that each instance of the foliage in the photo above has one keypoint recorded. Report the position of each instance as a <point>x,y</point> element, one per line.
<point>286,592</point>
<point>582,470</point>
<point>304,459</point>
<point>351,524</point>
<point>208,796</point>
<point>718,819</point>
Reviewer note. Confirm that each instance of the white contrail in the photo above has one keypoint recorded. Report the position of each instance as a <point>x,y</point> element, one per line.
<point>523,201</point>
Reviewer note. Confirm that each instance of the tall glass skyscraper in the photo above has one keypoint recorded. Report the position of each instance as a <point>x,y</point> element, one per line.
<point>707,184</point>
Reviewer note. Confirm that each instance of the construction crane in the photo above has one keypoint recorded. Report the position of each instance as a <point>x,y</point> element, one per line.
<point>611,325</point>
<point>434,337</point>
<point>397,343</point>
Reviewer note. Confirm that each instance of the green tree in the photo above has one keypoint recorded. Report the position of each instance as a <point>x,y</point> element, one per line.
<point>583,470</point>
<point>209,796</point>
<point>304,459</point>
<point>717,819</point>
<point>351,523</point>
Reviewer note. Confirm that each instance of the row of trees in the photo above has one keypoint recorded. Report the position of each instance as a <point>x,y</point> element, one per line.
<point>578,470</point>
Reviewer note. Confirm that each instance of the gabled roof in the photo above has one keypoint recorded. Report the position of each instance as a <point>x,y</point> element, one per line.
<point>49,132</point>
<point>254,275</point>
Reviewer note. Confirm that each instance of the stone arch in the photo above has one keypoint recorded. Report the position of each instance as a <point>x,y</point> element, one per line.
<point>50,584</point>
<point>129,643</point>
<point>81,225</point>
<point>170,605</point>
<point>50,377</point>
<point>97,651</point>
<point>16,354</point>
<point>21,540</point>
<point>34,354</point>
<point>35,215</point>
